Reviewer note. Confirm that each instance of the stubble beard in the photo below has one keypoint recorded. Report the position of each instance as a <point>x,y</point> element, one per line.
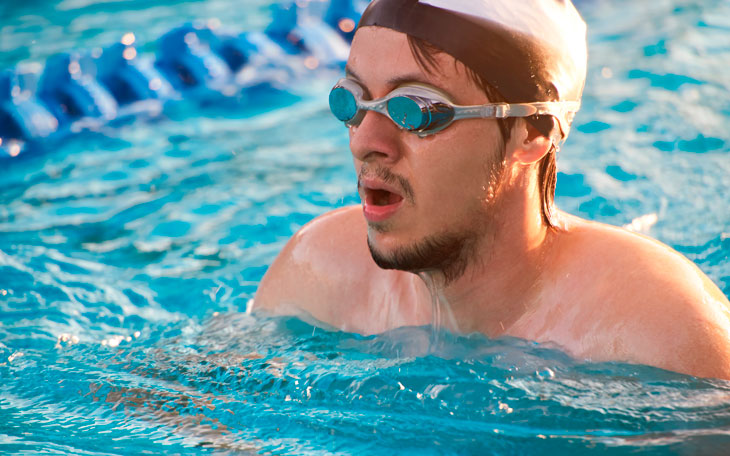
<point>448,253</point>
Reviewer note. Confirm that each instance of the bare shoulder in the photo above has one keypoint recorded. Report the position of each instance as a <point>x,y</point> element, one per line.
<point>309,271</point>
<point>646,302</point>
<point>325,271</point>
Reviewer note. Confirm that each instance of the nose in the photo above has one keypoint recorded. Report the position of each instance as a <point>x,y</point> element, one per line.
<point>376,138</point>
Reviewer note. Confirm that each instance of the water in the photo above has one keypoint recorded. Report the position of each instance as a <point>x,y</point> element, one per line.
<point>128,257</point>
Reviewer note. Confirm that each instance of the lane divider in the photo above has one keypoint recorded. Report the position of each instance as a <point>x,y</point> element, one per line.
<point>195,62</point>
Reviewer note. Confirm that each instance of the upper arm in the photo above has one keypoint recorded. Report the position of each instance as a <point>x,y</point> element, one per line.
<point>691,335</point>
<point>681,319</point>
<point>653,306</point>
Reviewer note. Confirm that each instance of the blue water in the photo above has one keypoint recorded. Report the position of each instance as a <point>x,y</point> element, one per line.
<point>128,257</point>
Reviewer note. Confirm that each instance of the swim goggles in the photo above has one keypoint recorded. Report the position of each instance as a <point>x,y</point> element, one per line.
<point>424,110</point>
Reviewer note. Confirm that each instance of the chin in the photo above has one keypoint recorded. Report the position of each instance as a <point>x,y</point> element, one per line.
<point>386,239</point>
<point>446,252</point>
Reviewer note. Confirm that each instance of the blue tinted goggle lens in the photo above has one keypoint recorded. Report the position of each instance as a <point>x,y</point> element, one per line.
<point>407,113</point>
<point>343,104</point>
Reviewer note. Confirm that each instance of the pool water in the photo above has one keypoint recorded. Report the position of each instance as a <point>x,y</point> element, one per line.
<point>128,257</point>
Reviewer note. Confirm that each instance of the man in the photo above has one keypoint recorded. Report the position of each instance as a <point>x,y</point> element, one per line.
<point>457,202</point>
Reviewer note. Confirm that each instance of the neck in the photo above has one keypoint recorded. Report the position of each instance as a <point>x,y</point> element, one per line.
<point>501,282</point>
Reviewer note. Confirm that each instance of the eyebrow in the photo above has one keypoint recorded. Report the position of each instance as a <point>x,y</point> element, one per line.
<point>397,80</point>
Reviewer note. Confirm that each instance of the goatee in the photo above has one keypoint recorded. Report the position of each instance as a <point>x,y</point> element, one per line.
<point>447,253</point>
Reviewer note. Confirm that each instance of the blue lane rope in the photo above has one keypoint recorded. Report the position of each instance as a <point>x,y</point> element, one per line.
<point>81,90</point>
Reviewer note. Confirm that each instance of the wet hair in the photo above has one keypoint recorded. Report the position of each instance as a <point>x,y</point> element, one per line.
<point>424,53</point>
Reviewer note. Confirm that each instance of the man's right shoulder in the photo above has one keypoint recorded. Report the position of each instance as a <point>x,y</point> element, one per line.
<point>325,263</point>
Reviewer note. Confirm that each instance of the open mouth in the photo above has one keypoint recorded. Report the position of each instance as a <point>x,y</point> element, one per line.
<point>380,197</point>
<point>380,204</point>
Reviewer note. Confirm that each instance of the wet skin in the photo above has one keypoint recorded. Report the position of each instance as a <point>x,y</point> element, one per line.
<point>596,291</point>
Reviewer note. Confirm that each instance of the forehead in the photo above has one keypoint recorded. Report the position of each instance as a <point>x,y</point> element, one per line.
<point>381,59</point>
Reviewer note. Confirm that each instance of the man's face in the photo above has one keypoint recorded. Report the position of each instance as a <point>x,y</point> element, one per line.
<point>428,201</point>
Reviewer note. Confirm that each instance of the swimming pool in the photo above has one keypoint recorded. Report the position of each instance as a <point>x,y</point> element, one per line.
<point>128,256</point>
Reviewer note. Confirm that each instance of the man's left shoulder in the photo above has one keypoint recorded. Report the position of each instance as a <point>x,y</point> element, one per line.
<point>658,303</point>
<point>645,269</point>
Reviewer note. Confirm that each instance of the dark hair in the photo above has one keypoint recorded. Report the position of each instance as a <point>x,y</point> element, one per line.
<point>424,52</point>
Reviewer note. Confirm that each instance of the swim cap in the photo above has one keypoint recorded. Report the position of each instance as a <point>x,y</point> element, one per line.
<point>528,50</point>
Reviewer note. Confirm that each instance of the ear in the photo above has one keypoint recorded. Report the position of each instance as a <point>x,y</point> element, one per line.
<point>528,144</point>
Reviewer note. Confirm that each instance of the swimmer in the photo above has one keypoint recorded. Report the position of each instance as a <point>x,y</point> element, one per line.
<point>456,110</point>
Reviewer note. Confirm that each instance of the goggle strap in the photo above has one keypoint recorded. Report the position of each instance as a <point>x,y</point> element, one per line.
<point>503,110</point>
